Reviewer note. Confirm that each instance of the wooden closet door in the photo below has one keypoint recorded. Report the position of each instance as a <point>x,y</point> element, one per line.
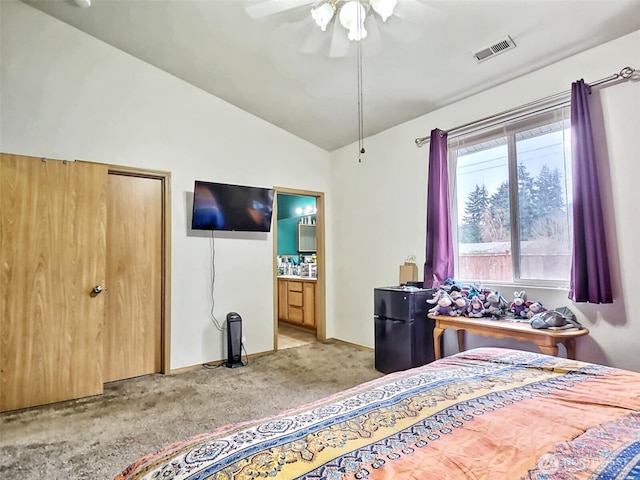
<point>133,316</point>
<point>52,254</point>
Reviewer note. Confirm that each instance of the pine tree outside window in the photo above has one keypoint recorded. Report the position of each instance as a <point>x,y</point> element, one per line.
<point>511,202</point>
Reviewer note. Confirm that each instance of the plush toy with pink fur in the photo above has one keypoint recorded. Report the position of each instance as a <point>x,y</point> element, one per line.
<point>460,302</point>
<point>518,306</point>
<point>495,304</point>
<point>475,309</point>
<point>444,304</point>
<point>535,307</point>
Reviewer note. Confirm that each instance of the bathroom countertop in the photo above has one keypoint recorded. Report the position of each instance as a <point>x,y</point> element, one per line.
<point>297,277</point>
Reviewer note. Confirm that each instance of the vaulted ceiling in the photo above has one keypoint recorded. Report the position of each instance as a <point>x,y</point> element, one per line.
<point>273,62</point>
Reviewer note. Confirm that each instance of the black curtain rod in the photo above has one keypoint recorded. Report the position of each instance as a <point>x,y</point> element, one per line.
<point>625,74</point>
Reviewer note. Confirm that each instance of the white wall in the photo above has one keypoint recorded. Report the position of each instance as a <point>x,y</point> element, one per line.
<point>66,95</point>
<point>383,203</point>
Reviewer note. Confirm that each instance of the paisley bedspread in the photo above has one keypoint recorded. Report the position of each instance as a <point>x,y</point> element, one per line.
<point>487,413</point>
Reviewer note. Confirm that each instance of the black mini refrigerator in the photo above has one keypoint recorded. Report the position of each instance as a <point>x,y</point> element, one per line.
<point>403,333</point>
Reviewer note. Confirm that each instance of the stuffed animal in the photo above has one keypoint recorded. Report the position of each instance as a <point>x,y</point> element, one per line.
<point>518,306</point>
<point>460,302</point>
<point>475,309</point>
<point>444,304</point>
<point>561,318</point>
<point>535,307</point>
<point>495,305</point>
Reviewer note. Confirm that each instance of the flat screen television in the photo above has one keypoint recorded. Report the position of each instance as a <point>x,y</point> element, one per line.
<point>223,206</point>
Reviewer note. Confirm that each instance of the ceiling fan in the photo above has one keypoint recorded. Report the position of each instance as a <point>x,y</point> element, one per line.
<point>333,27</point>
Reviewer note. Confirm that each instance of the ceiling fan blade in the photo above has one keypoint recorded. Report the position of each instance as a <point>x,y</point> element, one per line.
<point>273,7</point>
<point>340,43</point>
<point>316,41</point>
<point>298,30</point>
<point>336,44</point>
<point>307,37</point>
<point>402,31</point>
<point>303,35</point>
<point>417,12</point>
<point>373,44</point>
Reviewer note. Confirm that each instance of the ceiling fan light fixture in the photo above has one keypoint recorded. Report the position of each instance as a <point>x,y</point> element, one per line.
<point>352,15</point>
<point>384,8</point>
<point>323,14</point>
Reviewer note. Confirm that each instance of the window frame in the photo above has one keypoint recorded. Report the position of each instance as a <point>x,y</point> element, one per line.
<point>508,128</point>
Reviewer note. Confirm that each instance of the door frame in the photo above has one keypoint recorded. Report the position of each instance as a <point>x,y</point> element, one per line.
<point>165,281</point>
<point>320,293</point>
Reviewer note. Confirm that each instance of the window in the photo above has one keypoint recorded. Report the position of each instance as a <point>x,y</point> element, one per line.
<point>511,202</point>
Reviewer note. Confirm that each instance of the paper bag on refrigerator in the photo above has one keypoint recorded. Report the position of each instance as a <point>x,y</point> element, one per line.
<point>409,270</point>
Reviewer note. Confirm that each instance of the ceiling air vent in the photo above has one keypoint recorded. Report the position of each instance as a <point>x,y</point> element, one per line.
<point>492,50</point>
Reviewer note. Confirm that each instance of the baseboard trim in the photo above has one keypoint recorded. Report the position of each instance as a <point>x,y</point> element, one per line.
<point>191,368</point>
<point>344,342</point>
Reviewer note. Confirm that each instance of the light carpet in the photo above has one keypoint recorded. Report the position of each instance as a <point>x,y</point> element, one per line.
<point>97,437</point>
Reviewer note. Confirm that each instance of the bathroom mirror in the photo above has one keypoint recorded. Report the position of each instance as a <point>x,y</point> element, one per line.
<point>306,238</point>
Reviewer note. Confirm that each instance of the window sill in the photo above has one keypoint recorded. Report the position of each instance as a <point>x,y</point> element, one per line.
<point>523,286</point>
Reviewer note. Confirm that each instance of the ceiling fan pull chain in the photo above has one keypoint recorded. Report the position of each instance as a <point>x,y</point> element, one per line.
<point>361,149</point>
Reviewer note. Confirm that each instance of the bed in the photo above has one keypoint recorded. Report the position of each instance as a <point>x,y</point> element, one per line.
<point>486,413</point>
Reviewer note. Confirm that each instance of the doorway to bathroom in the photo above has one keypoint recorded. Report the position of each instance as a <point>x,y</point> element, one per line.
<point>299,266</point>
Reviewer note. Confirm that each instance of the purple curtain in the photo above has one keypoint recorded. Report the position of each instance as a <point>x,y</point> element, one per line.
<point>590,280</point>
<point>439,259</point>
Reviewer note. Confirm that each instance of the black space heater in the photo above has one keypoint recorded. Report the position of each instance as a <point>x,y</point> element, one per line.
<point>234,340</point>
